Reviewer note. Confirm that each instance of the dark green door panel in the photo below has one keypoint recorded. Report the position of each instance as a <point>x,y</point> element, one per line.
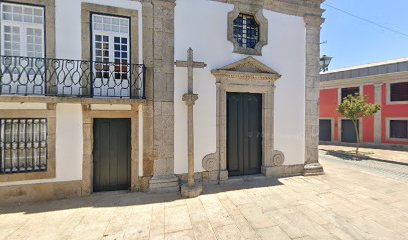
<point>244,133</point>
<point>348,132</point>
<point>111,154</point>
<point>325,130</point>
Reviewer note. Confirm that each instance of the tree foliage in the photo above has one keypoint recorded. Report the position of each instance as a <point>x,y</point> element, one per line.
<point>355,108</point>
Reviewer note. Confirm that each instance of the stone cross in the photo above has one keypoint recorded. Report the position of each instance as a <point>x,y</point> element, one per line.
<point>190,65</point>
<point>191,189</point>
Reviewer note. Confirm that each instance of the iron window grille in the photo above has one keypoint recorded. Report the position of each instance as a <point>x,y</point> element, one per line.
<point>246,31</point>
<point>23,145</point>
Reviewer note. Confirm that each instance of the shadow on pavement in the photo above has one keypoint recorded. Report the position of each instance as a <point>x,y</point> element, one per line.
<point>124,198</point>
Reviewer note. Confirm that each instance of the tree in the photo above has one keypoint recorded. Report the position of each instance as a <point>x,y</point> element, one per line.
<point>357,107</point>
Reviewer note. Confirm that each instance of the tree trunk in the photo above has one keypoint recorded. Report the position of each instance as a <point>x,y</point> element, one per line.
<point>357,136</point>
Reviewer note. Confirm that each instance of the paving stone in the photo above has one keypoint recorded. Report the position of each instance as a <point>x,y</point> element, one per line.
<point>177,219</point>
<point>228,232</point>
<point>345,203</point>
<point>271,233</point>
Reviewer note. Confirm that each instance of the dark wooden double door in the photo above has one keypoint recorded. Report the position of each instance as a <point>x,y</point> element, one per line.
<point>111,154</point>
<point>244,133</point>
<point>325,130</point>
<point>348,131</point>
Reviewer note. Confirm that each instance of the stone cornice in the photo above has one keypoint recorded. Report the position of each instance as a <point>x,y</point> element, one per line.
<point>245,75</point>
<point>291,7</point>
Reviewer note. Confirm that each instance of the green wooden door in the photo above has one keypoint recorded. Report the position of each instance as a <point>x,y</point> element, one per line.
<point>111,154</point>
<point>244,133</point>
<point>325,130</point>
<point>348,131</point>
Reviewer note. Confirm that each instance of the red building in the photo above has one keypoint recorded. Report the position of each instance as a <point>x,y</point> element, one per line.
<point>385,83</point>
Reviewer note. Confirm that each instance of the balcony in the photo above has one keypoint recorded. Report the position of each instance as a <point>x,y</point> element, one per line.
<point>31,76</point>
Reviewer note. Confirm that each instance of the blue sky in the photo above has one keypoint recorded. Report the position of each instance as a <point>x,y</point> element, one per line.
<point>351,41</point>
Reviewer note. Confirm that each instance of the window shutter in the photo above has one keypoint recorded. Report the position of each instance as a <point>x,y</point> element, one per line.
<point>399,92</point>
<point>399,129</point>
<point>349,91</point>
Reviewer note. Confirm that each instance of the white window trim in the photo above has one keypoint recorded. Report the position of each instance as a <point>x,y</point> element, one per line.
<point>361,91</point>
<point>388,89</point>
<point>23,29</point>
<point>388,129</point>
<point>111,35</point>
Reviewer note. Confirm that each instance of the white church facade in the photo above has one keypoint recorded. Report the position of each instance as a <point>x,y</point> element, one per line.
<point>102,95</point>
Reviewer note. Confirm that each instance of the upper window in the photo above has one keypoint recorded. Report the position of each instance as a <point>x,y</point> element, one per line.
<point>399,92</point>
<point>399,129</point>
<point>22,29</point>
<point>23,145</point>
<point>349,91</point>
<point>111,52</point>
<point>246,31</point>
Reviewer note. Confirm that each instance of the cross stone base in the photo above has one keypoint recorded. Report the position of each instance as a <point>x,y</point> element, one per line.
<point>163,184</point>
<point>191,192</point>
<point>312,169</point>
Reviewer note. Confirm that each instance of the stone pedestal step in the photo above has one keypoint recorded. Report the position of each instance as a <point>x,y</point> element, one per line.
<point>312,169</point>
<point>163,184</point>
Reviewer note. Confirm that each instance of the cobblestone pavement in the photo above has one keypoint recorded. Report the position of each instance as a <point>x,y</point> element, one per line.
<point>343,204</point>
<point>389,170</point>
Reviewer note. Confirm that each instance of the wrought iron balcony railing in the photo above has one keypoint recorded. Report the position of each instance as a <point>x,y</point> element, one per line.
<point>63,77</point>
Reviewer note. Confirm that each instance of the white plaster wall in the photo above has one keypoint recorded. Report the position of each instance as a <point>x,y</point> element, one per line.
<point>68,25</point>
<point>69,142</point>
<point>69,145</point>
<point>202,25</point>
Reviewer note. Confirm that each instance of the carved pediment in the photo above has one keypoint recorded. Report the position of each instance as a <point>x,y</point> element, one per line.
<point>247,67</point>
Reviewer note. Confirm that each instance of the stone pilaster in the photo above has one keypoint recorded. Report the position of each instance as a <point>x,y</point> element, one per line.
<point>163,179</point>
<point>377,116</point>
<point>312,87</point>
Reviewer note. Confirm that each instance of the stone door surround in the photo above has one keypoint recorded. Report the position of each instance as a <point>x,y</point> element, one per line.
<point>88,116</point>
<point>250,76</point>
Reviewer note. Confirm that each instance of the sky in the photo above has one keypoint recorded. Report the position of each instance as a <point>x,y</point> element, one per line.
<point>351,41</point>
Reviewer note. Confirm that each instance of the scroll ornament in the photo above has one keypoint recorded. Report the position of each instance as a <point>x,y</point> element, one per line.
<point>210,162</point>
<point>277,158</point>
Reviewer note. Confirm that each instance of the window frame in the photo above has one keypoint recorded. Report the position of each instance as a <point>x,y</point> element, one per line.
<point>245,27</point>
<point>42,143</point>
<point>110,34</point>
<point>23,28</point>
<point>360,87</point>
<point>388,129</point>
<point>111,66</point>
<point>388,89</point>
<point>257,13</point>
<point>49,114</point>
